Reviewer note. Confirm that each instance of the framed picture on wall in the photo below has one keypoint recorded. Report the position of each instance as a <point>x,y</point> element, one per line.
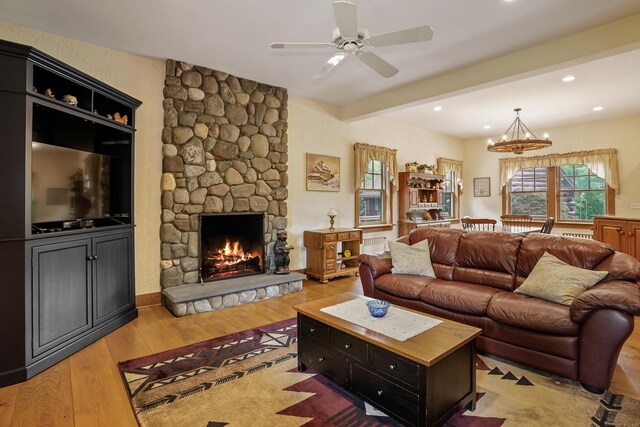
<point>482,187</point>
<point>323,172</point>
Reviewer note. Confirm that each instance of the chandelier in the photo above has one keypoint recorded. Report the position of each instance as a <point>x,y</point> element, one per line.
<point>518,139</point>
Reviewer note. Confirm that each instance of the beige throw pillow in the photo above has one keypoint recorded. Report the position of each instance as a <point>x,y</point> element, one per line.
<point>414,259</point>
<point>554,280</point>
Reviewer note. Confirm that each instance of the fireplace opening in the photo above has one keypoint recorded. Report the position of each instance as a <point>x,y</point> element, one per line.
<point>231,245</point>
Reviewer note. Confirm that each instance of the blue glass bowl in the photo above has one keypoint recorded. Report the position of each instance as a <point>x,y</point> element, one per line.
<point>378,308</point>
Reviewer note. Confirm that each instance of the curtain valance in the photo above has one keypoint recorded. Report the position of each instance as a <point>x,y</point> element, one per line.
<point>603,163</point>
<point>365,153</point>
<point>444,165</point>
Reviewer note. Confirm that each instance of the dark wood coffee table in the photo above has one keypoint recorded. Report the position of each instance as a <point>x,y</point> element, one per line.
<point>422,381</point>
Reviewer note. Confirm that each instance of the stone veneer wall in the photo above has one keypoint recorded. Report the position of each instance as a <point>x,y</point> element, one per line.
<point>224,150</point>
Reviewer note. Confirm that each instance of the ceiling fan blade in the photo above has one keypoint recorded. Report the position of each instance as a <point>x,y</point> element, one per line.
<point>411,35</point>
<point>347,18</point>
<point>378,64</point>
<point>329,65</point>
<point>300,45</point>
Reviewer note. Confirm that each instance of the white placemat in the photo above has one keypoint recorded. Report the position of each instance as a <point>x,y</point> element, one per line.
<point>398,324</point>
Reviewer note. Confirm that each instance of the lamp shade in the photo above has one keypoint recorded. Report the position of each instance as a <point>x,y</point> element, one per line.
<point>332,212</point>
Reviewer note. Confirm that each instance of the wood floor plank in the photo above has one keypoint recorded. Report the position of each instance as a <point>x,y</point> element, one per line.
<point>46,399</point>
<point>158,336</point>
<point>94,381</point>
<point>7,403</point>
<point>127,342</point>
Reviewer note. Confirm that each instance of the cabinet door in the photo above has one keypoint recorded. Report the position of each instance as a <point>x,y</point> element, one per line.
<point>413,198</point>
<point>634,239</point>
<point>61,277</point>
<point>613,232</point>
<point>112,290</point>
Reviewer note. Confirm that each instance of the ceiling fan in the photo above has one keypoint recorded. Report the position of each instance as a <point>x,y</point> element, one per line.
<point>349,38</point>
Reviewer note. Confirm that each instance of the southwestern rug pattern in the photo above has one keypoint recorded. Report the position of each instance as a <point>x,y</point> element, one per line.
<point>250,379</point>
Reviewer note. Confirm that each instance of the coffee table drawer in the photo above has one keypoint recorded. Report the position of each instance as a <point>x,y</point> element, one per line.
<point>389,397</point>
<point>314,329</point>
<point>396,367</point>
<point>323,360</point>
<point>349,345</point>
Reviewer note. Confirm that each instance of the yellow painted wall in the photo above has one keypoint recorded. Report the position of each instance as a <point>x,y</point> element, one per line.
<point>143,78</point>
<point>621,133</point>
<point>314,128</point>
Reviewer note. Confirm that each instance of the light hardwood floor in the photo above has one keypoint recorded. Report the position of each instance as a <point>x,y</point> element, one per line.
<point>86,390</point>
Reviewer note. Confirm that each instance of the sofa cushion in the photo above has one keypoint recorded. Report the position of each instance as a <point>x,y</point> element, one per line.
<point>488,258</point>
<point>556,281</point>
<point>532,313</point>
<point>583,253</point>
<point>443,242</point>
<point>402,285</point>
<point>412,259</point>
<point>458,296</point>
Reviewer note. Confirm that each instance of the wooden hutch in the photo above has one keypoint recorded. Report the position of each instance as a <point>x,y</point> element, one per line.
<point>420,195</point>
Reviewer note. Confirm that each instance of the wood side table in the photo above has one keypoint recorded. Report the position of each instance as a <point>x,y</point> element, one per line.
<point>326,249</point>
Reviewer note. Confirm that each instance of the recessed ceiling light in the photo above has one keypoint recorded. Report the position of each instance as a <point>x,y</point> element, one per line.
<point>437,108</point>
<point>598,108</point>
<point>568,78</point>
<point>487,126</point>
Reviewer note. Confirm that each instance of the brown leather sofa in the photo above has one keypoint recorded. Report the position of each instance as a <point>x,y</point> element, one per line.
<point>476,273</point>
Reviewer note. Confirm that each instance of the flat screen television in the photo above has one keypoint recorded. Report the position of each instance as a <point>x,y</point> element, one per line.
<point>68,185</point>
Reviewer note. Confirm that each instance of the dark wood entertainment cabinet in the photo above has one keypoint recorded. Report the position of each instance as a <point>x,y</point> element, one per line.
<point>65,281</point>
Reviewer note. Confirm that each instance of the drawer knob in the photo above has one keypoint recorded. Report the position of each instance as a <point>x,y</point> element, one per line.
<point>380,392</point>
<point>392,366</point>
<point>312,330</point>
<point>321,359</point>
<point>347,346</point>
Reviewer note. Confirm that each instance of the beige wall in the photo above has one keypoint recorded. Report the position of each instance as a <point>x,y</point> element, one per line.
<point>621,133</point>
<point>142,78</point>
<point>314,128</point>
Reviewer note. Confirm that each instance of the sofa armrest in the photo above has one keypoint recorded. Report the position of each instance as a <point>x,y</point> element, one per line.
<point>619,295</point>
<point>378,264</point>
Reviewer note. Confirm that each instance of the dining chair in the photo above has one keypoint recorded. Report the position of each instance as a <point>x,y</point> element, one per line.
<point>478,224</point>
<point>516,222</point>
<point>548,225</point>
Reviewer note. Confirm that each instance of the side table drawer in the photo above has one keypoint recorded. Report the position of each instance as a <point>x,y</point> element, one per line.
<point>396,367</point>
<point>311,328</point>
<point>349,345</point>
<point>330,237</point>
<point>343,236</point>
<point>323,360</point>
<point>354,235</point>
<point>386,395</point>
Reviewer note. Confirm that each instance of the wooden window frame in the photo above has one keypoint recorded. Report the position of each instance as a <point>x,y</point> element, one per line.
<point>455,196</point>
<point>553,202</point>
<point>387,201</point>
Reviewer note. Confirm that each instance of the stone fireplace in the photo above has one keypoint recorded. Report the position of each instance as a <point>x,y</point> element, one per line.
<point>231,245</point>
<point>224,150</point>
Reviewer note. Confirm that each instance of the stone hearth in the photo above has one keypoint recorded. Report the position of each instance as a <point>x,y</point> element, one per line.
<point>192,299</point>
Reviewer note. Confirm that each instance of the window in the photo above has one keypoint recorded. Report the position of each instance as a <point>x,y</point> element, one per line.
<point>528,192</point>
<point>450,199</point>
<point>372,196</point>
<point>582,193</point>
<point>567,193</point>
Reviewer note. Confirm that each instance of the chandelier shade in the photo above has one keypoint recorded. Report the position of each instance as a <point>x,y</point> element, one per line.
<point>518,138</point>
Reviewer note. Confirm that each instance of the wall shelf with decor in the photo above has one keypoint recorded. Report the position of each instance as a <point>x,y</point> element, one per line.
<point>66,238</point>
<point>420,201</point>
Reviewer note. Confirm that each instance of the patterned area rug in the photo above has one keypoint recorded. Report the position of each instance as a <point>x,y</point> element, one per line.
<point>251,379</point>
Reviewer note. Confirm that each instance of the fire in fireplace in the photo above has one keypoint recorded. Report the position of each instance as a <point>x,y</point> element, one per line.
<point>231,245</point>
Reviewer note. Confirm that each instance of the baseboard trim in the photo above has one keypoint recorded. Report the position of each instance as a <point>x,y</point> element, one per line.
<point>144,300</point>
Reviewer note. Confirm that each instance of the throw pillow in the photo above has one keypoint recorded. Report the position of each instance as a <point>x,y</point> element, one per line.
<point>414,259</point>
<point>554,280</point>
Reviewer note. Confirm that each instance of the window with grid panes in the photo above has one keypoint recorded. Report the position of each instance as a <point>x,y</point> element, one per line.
<point>450,195</point>
<point>528,192</point>
<point>372,195</point>
<point>582,193</point>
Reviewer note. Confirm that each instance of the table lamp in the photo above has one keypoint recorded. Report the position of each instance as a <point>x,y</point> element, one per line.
<point>332,216</point>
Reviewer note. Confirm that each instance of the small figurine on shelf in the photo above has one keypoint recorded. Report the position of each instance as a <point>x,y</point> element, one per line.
<point>71,100</point>
<point>411,167</point>
<point>49,93</point>
<point>281,253</point>
<point>124,119</point>
<point>430,198</point>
